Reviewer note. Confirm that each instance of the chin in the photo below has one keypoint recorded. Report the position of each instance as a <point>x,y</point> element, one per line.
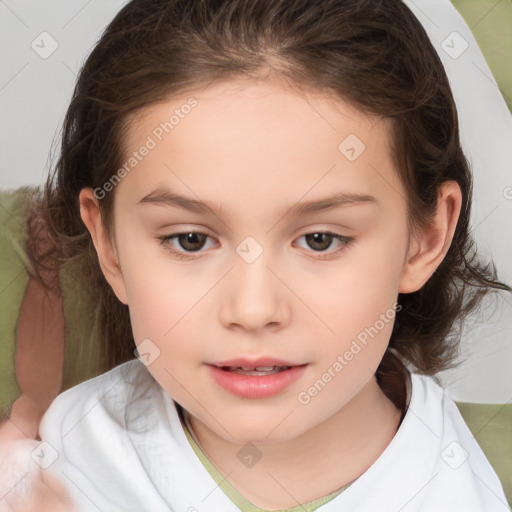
<point>259,428</point>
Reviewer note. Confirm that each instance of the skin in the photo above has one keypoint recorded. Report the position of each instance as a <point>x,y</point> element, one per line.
<point>257,148</point>
<point>39,358</point>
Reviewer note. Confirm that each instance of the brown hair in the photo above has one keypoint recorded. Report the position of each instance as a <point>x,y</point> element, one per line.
<point>373,53</point>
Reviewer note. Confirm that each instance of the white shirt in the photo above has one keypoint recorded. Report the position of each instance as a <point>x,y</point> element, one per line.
<point>120,446</point>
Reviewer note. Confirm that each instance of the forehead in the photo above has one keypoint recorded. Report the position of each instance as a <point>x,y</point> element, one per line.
<point>258,139</point>
<point>264,105</point>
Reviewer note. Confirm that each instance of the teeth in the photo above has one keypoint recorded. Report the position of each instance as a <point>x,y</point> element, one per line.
<point>260,370</point>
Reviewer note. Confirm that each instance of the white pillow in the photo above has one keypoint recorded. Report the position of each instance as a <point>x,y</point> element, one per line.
<point>486,134</point>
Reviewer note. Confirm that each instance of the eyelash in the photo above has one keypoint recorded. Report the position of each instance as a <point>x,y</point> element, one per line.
<point>165,240</point>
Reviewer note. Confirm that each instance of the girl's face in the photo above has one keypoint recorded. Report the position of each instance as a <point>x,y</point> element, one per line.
<point>256,172</point>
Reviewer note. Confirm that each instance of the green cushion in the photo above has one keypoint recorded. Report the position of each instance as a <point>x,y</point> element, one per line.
<point>13,282</point>
<point>491,426</point>
<point>490,22</point>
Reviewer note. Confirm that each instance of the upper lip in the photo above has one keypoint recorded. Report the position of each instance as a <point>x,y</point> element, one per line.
<point>253,363</point>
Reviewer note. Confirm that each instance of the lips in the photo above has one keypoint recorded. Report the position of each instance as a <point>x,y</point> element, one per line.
<point>256,378</point>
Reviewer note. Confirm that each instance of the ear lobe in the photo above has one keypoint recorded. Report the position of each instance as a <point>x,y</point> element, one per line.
<point>428,249</point>
<point>107,254</point>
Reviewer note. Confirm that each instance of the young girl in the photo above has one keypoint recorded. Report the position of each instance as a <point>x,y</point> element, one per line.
<point>271,203</point>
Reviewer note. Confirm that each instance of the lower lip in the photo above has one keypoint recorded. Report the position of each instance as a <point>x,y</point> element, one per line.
<point>254,386</point>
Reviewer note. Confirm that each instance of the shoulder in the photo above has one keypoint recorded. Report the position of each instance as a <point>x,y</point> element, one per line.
<point>97,433</point>
<point>460,470</point>
<point>433,403</point>
<point>102,400</point>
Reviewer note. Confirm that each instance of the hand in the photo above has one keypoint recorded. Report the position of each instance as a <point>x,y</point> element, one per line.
<point>24,485</point>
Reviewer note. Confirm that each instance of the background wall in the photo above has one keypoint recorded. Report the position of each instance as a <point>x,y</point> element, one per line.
<point>44,44</point>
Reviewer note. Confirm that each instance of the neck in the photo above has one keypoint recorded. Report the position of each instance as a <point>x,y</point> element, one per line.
<point>320,461</point>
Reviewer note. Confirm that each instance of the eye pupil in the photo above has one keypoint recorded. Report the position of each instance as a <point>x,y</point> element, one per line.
<point>191,238</point>
<point>316,238</point>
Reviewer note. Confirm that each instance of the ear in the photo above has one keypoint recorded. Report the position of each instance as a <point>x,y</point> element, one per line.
<point>107,252</point>
<point>430,245</point>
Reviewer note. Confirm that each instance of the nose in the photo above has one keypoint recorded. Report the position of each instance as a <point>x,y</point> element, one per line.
<point>254,297</point>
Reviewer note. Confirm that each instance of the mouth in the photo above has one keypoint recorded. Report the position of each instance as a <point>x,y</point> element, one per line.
<point>260,370</point>
<point>260,378</point>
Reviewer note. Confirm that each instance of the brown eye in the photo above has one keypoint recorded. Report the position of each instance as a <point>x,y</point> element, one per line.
<point>191,241</point>
<point>184,245</point>
<point>319,241</point>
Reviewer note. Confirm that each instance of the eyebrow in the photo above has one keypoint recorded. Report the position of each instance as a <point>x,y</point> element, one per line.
<point>163,197</point>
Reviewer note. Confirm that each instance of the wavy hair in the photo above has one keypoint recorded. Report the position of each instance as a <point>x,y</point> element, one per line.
<point>372,53</point>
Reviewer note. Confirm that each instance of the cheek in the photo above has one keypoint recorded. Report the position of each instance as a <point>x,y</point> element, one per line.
<point>345,365</point>
<point>359,308</point>
<point>162,311</point>
<point>160,292</point>
<point>167,306</point>
<point>364,285</point>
